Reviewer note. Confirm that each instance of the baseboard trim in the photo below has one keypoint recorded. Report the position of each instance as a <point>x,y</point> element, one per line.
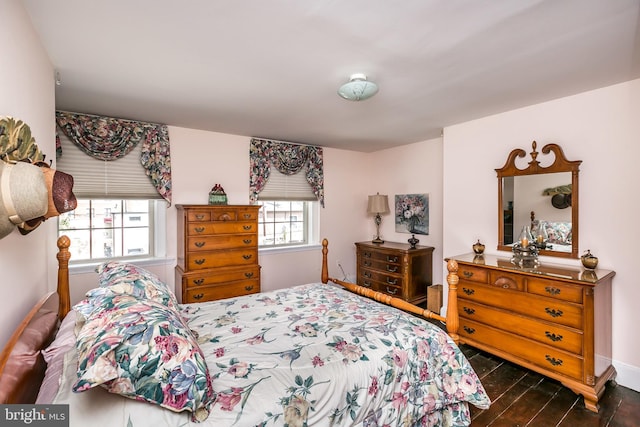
<point>628,375</point>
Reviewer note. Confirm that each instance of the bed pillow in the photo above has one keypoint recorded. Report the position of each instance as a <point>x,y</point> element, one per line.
<point>126,278</point>
<point>143,350</point>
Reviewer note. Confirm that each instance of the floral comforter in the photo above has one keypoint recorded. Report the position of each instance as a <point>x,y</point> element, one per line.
<point>312,355</point>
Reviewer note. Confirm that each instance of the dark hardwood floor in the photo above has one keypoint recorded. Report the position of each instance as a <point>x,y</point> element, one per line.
<point>524,398</point>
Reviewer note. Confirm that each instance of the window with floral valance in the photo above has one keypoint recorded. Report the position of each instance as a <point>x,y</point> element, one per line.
<point>109,139</point>
<point>289,159</point>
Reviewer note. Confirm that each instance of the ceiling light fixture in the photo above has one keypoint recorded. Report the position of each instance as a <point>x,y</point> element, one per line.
<point>358,88</point>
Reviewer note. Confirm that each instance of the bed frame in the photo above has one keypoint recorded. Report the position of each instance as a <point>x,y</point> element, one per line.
<point>22,372</point>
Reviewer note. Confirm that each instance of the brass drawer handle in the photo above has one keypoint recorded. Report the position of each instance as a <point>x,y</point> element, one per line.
<point>553,337</point>
<point>553,360</point>
<point>366,254</point>
<point>247,256</point>
<point>366,284</point>
<point>248,288</point>
<point>553,312</point>
<point>468,291</point>
<point>367,264</point>
<point>198,281</point>
<point>468,310</point>
<point>247,227</point>
<point>392,291</point>
<point>248,275</point>
<point>467,274</point>
<point>247,216</point>
<point>199,217</point>
<point>552,290</point>
<point>199,229</point>
<point>199,261</point>
<point>199,244</point>
<point>392,259</point>
<point>247,241</point>
<point>469,330</point>
<point>198,296</point>
<point>392,268</point>
<point>367,274</point>
<point>392,282</point>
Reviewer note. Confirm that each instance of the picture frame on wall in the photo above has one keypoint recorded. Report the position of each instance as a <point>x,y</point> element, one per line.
<point>412,213</point>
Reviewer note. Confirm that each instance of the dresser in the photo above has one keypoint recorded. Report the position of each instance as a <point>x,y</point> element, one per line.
<point>395,269</point>
<point>553,319</point>
<point>217,252</point>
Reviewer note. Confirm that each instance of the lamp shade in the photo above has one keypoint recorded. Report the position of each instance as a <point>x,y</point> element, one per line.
<point>378,204</point>
<point>358,88</point>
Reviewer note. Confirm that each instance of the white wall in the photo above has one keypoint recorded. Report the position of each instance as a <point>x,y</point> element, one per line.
<point>602,129</point>
<point>26,93</point>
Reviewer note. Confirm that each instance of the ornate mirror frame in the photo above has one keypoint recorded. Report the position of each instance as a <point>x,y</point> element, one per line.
<point>560,164</point>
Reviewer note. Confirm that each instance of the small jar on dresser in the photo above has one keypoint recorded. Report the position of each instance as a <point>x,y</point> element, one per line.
<point>395,269</point>
<point>217,252</point>
<point>552,319</point>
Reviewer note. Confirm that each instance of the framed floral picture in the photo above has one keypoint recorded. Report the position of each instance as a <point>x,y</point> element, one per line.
<point>412,213</point>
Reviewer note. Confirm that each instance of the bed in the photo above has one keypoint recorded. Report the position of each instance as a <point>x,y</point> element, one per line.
<point>559,234</point>
<point>330,353</point>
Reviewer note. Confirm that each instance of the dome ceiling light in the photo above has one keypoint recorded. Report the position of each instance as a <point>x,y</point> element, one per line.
<point>358,88</point>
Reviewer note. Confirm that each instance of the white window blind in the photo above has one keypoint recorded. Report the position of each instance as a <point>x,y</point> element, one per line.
<point>287,187</point>
<point>124,178</point>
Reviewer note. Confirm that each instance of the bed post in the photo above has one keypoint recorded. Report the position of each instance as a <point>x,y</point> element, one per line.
<point>325,268</point>
<point>64,305</point>
<point>452,300</point>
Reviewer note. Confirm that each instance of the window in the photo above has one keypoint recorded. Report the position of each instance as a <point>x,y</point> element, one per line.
<point>286,223</point>
<point>102,229</point>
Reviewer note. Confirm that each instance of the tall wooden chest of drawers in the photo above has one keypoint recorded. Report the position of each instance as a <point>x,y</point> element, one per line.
<point>217,252</point>
<point>555,320</point>
<point>395,269</point>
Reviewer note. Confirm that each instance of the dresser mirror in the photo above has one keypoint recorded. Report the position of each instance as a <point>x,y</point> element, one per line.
<point>541,194</point>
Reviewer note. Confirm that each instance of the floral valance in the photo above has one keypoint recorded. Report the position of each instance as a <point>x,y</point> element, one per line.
<point>287,158</point>
<point>107,138</point>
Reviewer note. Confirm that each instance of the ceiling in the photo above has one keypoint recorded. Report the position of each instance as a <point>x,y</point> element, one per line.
<point>272,69</point>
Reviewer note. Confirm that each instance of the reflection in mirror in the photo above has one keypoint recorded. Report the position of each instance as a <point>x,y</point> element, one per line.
<point>543,198</point>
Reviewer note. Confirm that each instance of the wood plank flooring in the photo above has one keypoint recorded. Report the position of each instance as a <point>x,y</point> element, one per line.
<point>524,398</point>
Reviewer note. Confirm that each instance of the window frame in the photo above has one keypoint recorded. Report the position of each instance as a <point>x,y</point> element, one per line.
<point>310,224</point>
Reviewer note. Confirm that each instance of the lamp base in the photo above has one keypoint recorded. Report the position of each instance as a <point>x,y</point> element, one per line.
<point>377,240</point>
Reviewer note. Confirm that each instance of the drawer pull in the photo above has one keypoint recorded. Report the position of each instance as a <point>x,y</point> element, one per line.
<point>199,229</point>
<point>469,330</point>
<point>366,254</point>
<point>198,281</point>
<point>553,312</point>
<point>392,259</point>
<point>553,337</point>
<point>199,217</point>
<point>248,288</point>
<point>553,360</point>
<point>247,227</point>
<point>198,296</point>
<point>247,241</point>
<point>247,216</point>
<point>552,291</point>
<point>247,256</point>
<point>366,284</point>
<point>367,264</point>
<point>367,274</point>
<point>199,244</point>
<point>467,274</point>
<point>392,282</point>
<point>392,268</point>
<point>468,291</point>
<point>248,275</point>
<point>199,261</point>
<point>391,291</point>
<point>468,310</point>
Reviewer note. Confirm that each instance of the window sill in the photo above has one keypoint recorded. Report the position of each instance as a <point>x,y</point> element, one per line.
<point>90,267</point>
<point>285,249</point>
